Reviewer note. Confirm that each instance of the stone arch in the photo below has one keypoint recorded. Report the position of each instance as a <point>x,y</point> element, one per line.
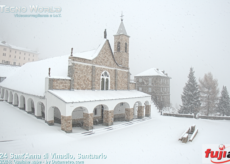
<point>15,99</point>
<point>10,100</point>
<point>98,113</point>
<point>40,111</point>
<point>30,106</point>
<point>120,111</point>
<point>53,115</point>
<point>78,116</point>
<point>6,96</point>
<point>138,109</point>
<point>22,102</point>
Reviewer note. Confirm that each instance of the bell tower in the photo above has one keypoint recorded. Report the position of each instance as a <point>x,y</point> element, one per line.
<point>121,45</point>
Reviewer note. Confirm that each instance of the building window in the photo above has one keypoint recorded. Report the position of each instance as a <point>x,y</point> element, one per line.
<point>24,58</point>
<point>3,61</point>
<point>140,80</point>
<point>14,56</point>
<point>95,111</point>
<point>19,58</point>
<point>19,52</point>
<point>125,47</point>
<point>24,53</point>
<point>4,49</point>
<point>29,54</point>
<point>10,50</point>
<point>150,81</point>
<point>118,47</point>
<point>4,54</point>
<point>140,89</point>
<point>105,81</point>
<point>15,51</point>
<point>10,55</point>
<point>150,89</point>
<point>14,63</point>
<point>29,58</point>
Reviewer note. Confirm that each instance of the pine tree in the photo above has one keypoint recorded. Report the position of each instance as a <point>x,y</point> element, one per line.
<point>191,95</point>
<point>224,102</point>
<point>208,93</point>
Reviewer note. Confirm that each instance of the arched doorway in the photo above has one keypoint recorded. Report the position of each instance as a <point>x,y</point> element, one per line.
<point>78,116</point>
<point>40,110</point>
<point>119,111</point>
<point>30,106</point>
<point>15,103</point>
<point>22,102</point>
<point>98,114</point>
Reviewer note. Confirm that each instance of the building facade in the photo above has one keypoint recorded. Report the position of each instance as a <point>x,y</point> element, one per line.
<point>82,89</point>
<point>156,83</point>
<point>13,55</point>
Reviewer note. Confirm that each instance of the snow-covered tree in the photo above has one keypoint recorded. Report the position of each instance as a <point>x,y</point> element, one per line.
<point>191,95</point>
<point>224,102</point>
<point>208,93</point>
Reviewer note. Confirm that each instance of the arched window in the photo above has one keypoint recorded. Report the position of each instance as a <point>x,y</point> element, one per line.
<point>105,81</point>
<point>118,47</point>
<point>125,47</point>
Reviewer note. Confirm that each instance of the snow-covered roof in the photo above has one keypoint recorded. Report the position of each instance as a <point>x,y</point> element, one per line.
<point>152,72</point>
<point>89,95</point>
<point>90,55</point>
<point>6,70</point>
<point>121,29</point>
<point>3,43</point>
<point>30,78</point>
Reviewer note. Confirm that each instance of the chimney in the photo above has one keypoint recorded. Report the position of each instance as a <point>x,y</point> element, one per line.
<point>49,71</point>
<point>71,51</point>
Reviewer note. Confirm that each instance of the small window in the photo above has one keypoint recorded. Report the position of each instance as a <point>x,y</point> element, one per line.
<point>140,89</point>
<point>19,58</point>
<point>125,47</point>
<point>29,58</point>
<point>15,51</point>
<point>140,80</point>
<point>24,58</point>
<point>150,81</point>
<point>4,49</point>
<point>14,56</point>
<point>14,63</point>
<point>29,54</point>
<point>24,53</point>
<point>10,55</point>
<point>118,47</point>
<point>19,52</point>
<point>95,111</point>
<point>10,50</point>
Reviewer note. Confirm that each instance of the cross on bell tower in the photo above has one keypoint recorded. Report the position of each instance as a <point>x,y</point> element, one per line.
<point>121,45</point>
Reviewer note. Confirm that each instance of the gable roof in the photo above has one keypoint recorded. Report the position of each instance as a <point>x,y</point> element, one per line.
<point>152,72</point>
<point>92,54</point>
<point>30,78</point>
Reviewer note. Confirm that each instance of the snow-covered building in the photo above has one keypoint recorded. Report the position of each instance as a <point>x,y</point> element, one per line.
<point>6,70</point>
<point>14,55</point>
<point>81,89</point>
<point>155,82</point>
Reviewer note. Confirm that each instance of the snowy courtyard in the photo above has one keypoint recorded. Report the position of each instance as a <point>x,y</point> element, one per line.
<point>152,141</point>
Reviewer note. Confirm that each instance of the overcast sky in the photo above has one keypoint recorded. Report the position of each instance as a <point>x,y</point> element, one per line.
<point>172,35</point>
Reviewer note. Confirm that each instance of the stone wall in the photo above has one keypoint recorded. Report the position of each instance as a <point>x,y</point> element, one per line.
<point>140,112</point>
<point>178,115</point>
<point>98,72</point>
<point>82,77</point>
<point>132,86</point>
<point>122,80</point>
<point>128,114</point>
<point>108,117</point>
<point>214,117</point>
<point>59,84</point>
<point>88,121</point>
<point>66,123</point>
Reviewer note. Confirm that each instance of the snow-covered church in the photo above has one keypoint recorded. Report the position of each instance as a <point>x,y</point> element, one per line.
<point>80,89</point>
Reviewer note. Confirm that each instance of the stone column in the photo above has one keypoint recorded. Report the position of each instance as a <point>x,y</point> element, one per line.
<point>108,117</point>
<point>128,114</point>
<point>88,121</point>
<point>66,124</point>
<point>147,110</point>
<point>140,112</point>
<point>50,122</point>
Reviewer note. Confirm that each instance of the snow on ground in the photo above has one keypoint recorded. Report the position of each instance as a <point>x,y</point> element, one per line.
<point>152,141</point>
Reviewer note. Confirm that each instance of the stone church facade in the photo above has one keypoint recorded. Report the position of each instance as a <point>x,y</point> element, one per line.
<point>96,89</point>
